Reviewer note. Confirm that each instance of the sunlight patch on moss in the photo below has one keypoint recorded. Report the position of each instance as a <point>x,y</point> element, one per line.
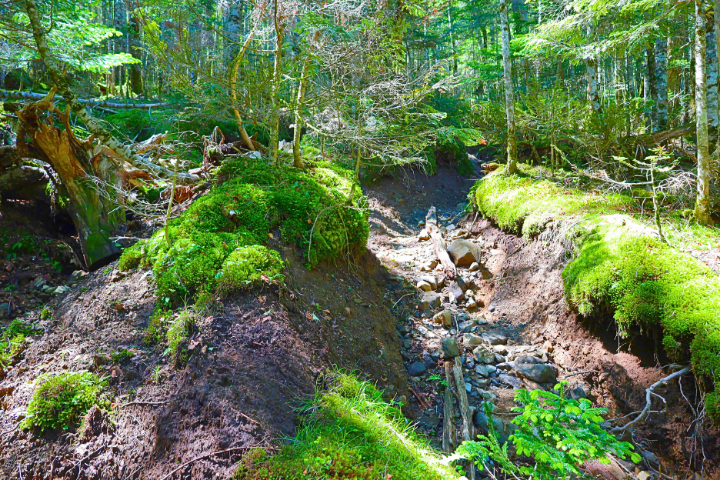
<point>349,432</point>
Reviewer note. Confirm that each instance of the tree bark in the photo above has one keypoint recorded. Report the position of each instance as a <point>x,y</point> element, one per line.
<point>661,63</point>
<point>509,100</point>
<point>712,78</point>
<point>702,204</point>
<point>300,103</point>
<point>652,93</point>
<point>275,94</point>
<point>94,214</point>
<point>233,76</point>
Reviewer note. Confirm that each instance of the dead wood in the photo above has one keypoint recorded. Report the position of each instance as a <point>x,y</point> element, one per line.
<point>85,101</point>
<point>449,439</point>
<point>439,244</point>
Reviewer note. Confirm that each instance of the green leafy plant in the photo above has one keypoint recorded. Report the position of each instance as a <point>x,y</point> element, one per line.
<point>45,314</point>
<point>557,433</point>
<point>60,401</point>
<point>121,355</point>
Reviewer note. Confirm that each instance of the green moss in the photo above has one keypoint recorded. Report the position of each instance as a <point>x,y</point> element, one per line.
<point>309,208</point>
<point>525,204</point>
<point>350,432</point>
<point>247,265</point>
<point>620,268</point>
<point>157,326</point>
<point>60,401</point>
<point>12,341</point>
<point>178,333</point>
<point>121,355</point>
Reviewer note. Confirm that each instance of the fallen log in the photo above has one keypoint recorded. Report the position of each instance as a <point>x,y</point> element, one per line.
<point>439,244</point>
<point>464,409</point>
<point>16,95</point>
<point>449,438</point>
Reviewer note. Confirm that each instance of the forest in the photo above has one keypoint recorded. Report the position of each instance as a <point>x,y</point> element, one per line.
<point>341,239</point>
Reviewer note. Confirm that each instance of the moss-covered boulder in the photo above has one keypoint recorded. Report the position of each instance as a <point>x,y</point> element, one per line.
<point>218,245</point>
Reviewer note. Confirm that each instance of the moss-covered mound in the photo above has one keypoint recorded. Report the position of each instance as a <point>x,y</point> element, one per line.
<point>621,267</point>
<point>350,432</point>
<point>218,244</point>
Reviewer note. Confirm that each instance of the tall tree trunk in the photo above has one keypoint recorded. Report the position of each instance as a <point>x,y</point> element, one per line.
<point>593,94</point>
<point>300,103</point>
<point>661,63</point>
<point>702,204</point>
<point>232,81</point>
<point>136,69</point>
<point>452,37</point>
<point>712,79</point>
<point>652,93</point>
<point>275,95</point>
<point>509,100</point>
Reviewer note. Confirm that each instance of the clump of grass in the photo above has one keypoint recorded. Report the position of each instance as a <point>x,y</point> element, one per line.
<point>60,401</point>
<point>309,207</point>
<point>349,432</point>
<point>12,341</point>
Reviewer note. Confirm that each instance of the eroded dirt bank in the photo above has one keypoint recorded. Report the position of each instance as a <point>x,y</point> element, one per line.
<point>251,361</point>
<point>518,310</point>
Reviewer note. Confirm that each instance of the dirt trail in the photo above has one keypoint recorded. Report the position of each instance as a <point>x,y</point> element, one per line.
<point>516,311</point>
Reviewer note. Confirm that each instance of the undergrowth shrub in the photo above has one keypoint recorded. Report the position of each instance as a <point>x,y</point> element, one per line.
<point>308,207</point>
<point>60,401</point>
<point>349,431</point>
<point>557,433</point>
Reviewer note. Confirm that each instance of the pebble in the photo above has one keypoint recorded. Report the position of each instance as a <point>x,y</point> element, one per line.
<point>510,380</point>
<point>444,318</point>
<point>474,267</point>
<point>483,355</point>
<point>450,347</point>
<point>416,368</point>
<point>536,372</point>
<point>494,338</point>
<point>471,340</point>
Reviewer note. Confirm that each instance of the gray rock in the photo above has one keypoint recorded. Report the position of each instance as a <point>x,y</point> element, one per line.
<point>424,286</point>
<point>444,318</point>
<point>468,387</point>
<point>456,293</point>
<point>430,280</point>
<point>483,355</point>
<point>510,380</point>
<point>536,373</point>
<point>466,326</point>
<point>416,368</point>
<point>507,366</point>
<point>485,370</point>
<point>61,290</point>
<point>576,393</point>
<point>474,267</point>
<point>489,396</point>
<point>450,348</point>
<point>483,382</point>
<point>429,301</point>
<point>47,289</point>
<point>651,459</point>
<point>499,358</point>
<point>528,359</point>
<point>464,252</point>
<point>494,338</point>
<point>471,340</point>
<point>4,309</point>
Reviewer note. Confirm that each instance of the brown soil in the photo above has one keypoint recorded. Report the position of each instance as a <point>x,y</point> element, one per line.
<point>252,360</point>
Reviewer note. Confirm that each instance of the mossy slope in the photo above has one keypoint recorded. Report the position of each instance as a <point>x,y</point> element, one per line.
<point>620,268</point>
<point>218,244</point>
<point>350,432</point>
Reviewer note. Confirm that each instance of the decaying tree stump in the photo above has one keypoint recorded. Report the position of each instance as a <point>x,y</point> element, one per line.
<point>94,213</point>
